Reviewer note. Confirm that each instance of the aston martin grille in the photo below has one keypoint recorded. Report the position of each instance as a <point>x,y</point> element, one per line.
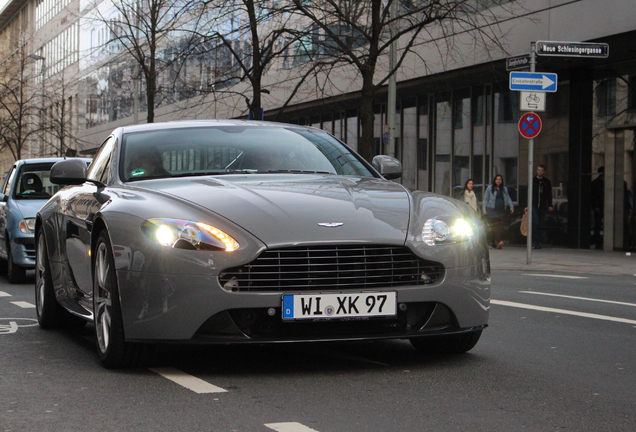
<point>350,267</point>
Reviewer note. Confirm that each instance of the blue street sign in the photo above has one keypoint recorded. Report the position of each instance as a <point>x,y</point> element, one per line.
<point>533,81</point>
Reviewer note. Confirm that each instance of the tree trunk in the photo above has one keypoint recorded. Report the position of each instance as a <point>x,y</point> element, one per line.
<point>367,118</point>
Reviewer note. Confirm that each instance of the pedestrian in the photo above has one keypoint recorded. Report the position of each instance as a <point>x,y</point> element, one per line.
<point>496,199</point>
<point>597,196</point>
<point>541,202</point>
<point>468,196</point>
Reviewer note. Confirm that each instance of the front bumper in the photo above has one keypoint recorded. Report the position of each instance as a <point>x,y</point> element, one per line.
<point>160,307</point>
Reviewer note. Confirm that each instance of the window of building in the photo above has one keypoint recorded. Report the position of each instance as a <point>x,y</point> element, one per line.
<point>605,94</point>
<point>508,106</point>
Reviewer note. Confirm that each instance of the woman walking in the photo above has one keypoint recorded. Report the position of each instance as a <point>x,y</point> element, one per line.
<point>468,196</point>
<point>496,199</point>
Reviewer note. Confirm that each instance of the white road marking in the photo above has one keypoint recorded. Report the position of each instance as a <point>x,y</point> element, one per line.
<point>24,305</point>
<point>562,311</point>
<point>579,298</point>
<point>4,294</point>
<point>290,427</point>
<point>188,381</point>
<point>555,276</point>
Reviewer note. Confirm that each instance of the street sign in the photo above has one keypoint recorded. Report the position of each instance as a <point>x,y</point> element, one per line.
<point>529,125</point>
<point>533,81</point>
<point>532,101</point>
<point>521,61</point>
<point>572,49</point>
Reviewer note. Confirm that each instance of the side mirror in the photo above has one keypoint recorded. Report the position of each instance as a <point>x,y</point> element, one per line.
<point>69,172</point>
<point>4,198</point>
<point>389,167</point>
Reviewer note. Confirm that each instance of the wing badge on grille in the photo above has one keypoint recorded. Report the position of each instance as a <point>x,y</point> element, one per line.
<point>330,224</point>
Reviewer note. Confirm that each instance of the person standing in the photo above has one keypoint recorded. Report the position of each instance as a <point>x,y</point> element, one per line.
<point>541,202</point>
<point>496,199</point>
<point>468,196</point>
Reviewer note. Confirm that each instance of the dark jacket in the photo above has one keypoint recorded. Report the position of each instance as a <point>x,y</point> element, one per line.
<point>541,193</point>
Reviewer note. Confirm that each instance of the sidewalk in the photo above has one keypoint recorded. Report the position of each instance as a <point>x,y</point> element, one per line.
<point>562,260</point>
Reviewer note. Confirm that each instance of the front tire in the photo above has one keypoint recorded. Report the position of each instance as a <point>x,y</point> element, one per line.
<point>447,344</point>
<point>112,347</point>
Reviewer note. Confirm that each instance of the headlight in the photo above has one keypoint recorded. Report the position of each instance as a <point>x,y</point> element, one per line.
<point>447,229</point>
<point>182,234</point>
<point>27,226</point>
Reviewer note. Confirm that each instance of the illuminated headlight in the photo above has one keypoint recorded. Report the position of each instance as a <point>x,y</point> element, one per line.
<point>447,230</point>
<point>27,226</point>
<point>182,234</point>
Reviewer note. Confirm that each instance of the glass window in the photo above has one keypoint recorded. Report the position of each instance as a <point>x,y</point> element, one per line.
<point>443,145</point>
<point>234,149</point>
<point>606,97</point>
<point>98,170</point>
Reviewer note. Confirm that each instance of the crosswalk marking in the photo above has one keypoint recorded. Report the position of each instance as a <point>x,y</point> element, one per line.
<point>290,427</point>
<point>23,304</point>
<point>188,381</point>
<point>4,294</point>
<point>562,311</point>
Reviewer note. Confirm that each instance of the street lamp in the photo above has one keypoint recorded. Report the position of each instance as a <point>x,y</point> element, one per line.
<point>42,72</point>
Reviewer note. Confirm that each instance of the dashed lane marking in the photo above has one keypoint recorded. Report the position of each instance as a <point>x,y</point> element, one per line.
<point>23,304</point>
<point>4,294</point>
<point>188,381</point>
<point>290,427</point>
<point>562,311</point>
<point>579,298</point>
<point>555,276</point>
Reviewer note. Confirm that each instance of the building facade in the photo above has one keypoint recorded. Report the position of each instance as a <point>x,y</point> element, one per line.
<point>456,115</point>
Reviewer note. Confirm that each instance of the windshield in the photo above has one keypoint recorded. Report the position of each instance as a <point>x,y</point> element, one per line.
<point>33,182</point>
<point>235,149</point>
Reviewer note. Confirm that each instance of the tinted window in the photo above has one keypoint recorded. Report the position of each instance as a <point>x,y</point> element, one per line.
<point>234,149</point>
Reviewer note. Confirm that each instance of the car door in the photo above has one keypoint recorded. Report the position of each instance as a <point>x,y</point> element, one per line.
<point>81,206</point>
<point>4,210</point>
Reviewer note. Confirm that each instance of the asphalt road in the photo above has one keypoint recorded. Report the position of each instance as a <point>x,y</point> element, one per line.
<point>559,355</point>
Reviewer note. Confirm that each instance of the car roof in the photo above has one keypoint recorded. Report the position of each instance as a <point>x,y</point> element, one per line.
<point>44,160</point>
<point>209,122</point>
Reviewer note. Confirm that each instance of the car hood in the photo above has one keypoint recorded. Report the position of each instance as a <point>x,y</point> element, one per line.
<point>284,209</point>
<point>28,208</point>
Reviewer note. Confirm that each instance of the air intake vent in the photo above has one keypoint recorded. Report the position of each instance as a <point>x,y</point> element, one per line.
<point>335,268</point>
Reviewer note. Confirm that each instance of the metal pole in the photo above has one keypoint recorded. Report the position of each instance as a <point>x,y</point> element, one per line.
<point>392,89</point>
<point>533,63</point>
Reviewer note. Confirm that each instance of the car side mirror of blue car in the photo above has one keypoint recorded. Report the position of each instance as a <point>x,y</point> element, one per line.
<point>388,166</point>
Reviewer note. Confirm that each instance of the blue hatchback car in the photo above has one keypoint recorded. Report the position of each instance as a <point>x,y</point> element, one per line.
<point>25,189</point>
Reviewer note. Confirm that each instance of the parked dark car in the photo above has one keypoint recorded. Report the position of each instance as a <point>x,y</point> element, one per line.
<point>25,188</point>
<point>222,232</point>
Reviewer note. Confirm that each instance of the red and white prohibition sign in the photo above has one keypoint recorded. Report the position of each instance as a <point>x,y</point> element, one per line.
<point>529,125</point>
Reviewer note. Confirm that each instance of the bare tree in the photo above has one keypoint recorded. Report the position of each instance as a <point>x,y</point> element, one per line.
<point>144,30</point>
<point>59,129</point>
<point>19,103</point>
<point>252,38</point>
<point>360,34</point>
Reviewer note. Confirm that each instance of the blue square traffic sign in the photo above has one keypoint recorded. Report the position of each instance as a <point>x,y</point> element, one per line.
<point>533,81</point>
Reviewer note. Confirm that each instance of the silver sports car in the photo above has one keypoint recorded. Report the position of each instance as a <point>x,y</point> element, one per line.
<point>253,232</point>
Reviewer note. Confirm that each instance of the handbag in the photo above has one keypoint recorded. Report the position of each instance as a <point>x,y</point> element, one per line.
<point>524,224</point>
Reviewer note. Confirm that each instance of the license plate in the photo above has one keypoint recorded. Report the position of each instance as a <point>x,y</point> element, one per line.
<point>330,306</point>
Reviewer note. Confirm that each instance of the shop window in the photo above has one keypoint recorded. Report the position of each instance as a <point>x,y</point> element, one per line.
<point>606,97</point>
<point>458,111</point>
<point>508,110</point>
<point>631,92</point>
